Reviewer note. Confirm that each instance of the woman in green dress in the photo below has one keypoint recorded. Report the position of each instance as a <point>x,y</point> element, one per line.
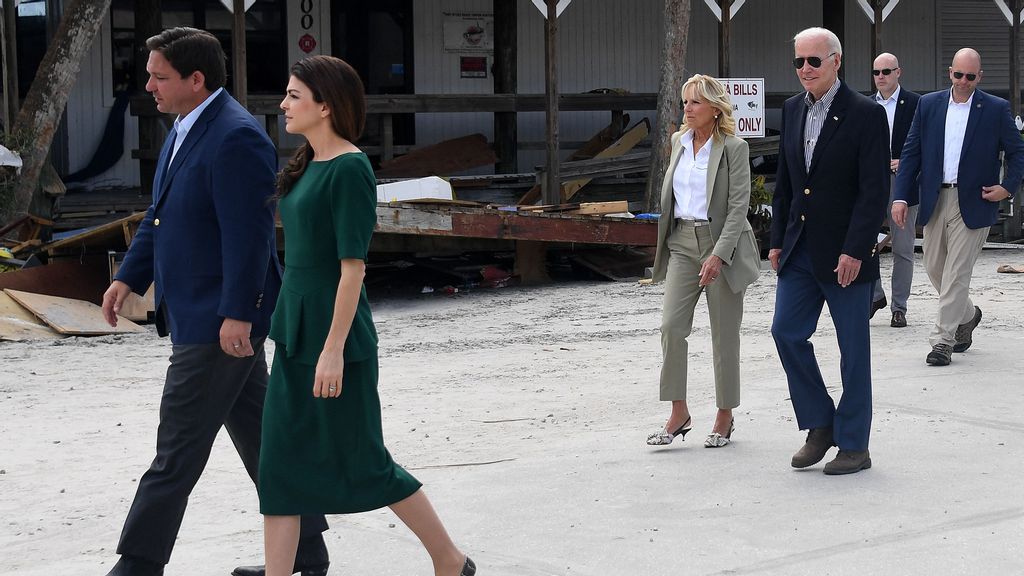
<point>323,449</point>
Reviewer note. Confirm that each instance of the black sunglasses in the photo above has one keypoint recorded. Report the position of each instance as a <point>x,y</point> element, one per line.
<point>885,71</point>
<point>814,61</point>
<point>970,77</point>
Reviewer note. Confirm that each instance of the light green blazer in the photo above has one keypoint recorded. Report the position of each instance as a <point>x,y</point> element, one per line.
<point>728,201</point>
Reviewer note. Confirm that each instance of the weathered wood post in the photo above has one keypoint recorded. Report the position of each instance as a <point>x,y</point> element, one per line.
<point>673,60</point>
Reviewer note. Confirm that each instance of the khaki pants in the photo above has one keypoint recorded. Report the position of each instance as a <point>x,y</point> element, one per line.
<point>950,251</point>
<point>688,247</point>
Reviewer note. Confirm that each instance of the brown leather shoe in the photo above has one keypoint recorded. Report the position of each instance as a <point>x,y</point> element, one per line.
<point>819,440</point>
<point>899,320</point>
<point>848,462</point>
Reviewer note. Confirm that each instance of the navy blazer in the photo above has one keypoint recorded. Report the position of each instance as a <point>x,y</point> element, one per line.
<point>901,121</point>
<point>990,129</point>
<point>837,204</point>
<point>208,240</point>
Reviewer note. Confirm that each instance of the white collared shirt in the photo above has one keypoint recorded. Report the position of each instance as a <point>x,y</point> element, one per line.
<point>690,180</point>
<point>890,109</point>
<point>183,125</point>
<point>956,127</point>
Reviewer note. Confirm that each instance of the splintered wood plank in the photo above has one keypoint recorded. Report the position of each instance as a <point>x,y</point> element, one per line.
<point>631,138</point>
<point>71,317</point>
<point>17,323</point>
<point>613,207</point>
<point>597,142</point>
<point>98,234</point>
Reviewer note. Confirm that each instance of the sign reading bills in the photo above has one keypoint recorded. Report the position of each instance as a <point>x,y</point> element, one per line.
<point>747,95</point>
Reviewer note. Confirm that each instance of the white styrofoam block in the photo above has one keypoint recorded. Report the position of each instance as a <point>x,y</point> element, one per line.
<point>430,187</point>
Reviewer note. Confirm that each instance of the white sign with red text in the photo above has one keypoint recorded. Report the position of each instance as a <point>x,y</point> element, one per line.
<point>747,95</point>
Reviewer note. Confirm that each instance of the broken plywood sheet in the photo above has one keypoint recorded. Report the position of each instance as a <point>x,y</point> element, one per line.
<point>71,317</point>
<point>83,278</point>
<point>444,158</point>
<point>135,308</point>
<point>17,323</point>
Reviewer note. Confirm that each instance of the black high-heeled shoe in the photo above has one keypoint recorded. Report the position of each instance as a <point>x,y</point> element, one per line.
<point>304,570</point>
<point>664,437</point>
<point>716,440</point>
<point>311,559</point>
<point>469,568</point>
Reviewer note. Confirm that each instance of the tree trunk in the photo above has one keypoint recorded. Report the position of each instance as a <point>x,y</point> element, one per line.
<point>673,58</point>
<point>37,121</point>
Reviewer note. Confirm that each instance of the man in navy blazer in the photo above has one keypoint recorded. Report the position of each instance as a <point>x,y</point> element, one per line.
<point>830,196</point>
<point>950,168</point>
<point>899,105</point>
<point>208,244</point>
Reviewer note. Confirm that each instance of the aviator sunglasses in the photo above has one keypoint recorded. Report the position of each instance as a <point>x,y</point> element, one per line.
<point>885,71</point>
<point>814,61</point>
<point>970,77</point>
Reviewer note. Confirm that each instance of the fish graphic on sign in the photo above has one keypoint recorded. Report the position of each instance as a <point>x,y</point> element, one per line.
<point>473,35</point>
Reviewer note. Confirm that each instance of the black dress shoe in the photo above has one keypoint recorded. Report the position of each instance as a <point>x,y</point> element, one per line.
<point>878,305</point>
<point>819,440</point>
<point>941,355</point>
<point>848,462</point>
<point>964,332</point>
<point>469,568</point>
<point>899,320</point>
<point>310,560</point>
<point>136,566</point>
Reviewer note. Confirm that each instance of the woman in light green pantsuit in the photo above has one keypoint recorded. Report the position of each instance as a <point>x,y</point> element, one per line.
<point>705,245</point>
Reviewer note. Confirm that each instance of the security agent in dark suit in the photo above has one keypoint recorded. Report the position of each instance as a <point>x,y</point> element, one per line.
<point>899,105</point>
<point>830,197</point>
<point>208,244</point>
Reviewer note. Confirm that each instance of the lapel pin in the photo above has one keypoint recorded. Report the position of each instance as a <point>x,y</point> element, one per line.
<point>836,118</point>
<point>901,101</point>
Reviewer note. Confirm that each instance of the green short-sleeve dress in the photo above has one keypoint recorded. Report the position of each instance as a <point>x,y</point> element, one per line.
<point>325,456</point>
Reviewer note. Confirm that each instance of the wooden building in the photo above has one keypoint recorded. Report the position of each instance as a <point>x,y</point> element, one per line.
<point>413,48</point>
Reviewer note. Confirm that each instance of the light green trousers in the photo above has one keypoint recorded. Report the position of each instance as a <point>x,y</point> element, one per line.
<point>688,247</point>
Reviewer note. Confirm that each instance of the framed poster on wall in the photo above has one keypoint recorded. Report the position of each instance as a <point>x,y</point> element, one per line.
<point>468,32</point>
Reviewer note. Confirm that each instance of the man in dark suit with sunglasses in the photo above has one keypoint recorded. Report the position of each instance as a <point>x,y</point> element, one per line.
<point>899,105</point>
<point>830,196</point>
<point>950,169</point>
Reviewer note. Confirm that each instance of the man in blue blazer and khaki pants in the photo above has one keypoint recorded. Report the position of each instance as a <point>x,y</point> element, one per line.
<point>830,196</point>
<point>208,244</point>
<point>950,168</point>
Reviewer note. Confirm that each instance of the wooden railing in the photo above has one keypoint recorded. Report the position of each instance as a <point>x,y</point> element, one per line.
<point>383,108</point>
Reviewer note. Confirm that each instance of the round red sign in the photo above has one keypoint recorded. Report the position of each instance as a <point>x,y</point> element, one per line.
<point>307,43</point>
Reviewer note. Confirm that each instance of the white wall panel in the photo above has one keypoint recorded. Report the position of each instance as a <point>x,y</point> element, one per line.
<point>88,108</point>
<point>909,33</point>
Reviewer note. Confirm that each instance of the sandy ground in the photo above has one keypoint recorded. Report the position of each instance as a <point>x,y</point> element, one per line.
<point>524,412</point>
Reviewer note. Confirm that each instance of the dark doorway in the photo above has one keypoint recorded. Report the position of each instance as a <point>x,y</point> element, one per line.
<point>376,39</point>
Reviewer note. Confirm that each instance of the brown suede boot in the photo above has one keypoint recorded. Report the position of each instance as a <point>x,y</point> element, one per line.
<point>819,440</point>
<point>848,462</point>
